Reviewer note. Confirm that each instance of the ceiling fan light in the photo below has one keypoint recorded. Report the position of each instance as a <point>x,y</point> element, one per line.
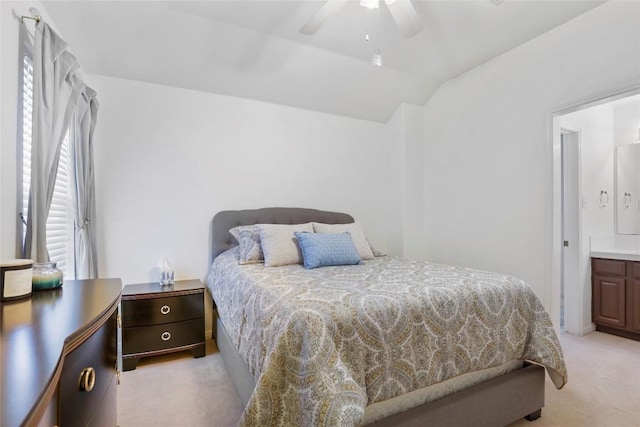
<point>370,4</point>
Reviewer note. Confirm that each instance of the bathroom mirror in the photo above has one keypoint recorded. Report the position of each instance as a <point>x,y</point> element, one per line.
<point>627,189</point>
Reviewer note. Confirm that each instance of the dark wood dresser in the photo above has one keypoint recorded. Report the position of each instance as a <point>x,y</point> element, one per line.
<point>616,296</point>
<point>58,356</point>
<point>162,319</point>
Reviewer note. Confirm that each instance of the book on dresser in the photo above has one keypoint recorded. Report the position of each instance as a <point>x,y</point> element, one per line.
<point>160,319</point>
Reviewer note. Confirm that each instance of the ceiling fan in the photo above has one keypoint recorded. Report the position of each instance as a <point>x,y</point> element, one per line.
<point>402,12</point>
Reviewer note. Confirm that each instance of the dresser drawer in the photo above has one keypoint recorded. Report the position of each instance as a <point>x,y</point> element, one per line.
<point>156,311</point>
<point>145,339</point>
<point>91,365</point>
<point>609,267</point>
<point>107,414</point>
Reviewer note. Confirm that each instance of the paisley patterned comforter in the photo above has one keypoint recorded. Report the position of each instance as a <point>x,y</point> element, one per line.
<point>324,343</point>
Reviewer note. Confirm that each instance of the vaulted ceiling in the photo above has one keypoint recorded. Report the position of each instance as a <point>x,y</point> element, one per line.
<point>253,49</point>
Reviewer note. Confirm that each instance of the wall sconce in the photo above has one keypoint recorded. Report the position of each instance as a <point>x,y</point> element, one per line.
<point>603,200</point>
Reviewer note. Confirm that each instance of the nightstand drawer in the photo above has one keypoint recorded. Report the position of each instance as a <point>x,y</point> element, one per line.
<point>155,311</point>
<point>146,339</point>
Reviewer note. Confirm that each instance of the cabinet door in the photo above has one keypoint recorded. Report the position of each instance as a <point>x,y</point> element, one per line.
<point>609,301</point>
<point>635,294</point>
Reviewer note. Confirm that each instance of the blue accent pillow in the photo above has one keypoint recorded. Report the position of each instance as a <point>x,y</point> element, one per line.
<point>320,250</point>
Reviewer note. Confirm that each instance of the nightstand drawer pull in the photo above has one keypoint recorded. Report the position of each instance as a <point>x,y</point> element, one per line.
<point>165,309</point>
<point>87,379</point>
<point>166,336</point>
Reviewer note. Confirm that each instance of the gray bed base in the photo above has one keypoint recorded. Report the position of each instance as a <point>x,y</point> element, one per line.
<point>496,402</point>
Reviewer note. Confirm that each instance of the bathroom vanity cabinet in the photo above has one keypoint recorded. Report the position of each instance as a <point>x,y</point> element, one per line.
<point>616,296</point>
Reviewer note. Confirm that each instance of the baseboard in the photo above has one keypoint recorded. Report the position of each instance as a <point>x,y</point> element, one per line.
<point>588,329</point>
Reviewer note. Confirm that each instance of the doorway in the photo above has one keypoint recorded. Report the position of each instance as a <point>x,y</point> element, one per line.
<point>570,292</point>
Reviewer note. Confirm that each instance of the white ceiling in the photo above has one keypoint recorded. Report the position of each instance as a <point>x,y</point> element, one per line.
<point>253,49</point>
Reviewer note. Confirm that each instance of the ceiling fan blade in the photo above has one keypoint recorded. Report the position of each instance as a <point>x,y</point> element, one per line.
<point>330,8</point>
<point>405,16</point>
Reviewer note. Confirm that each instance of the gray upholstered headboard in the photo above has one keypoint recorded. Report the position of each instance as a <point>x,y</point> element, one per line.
<point>223,221</point>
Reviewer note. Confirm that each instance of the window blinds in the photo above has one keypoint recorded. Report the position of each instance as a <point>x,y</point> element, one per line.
<point>58,227</point>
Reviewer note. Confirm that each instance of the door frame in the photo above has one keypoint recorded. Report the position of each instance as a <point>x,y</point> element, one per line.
<point>571,229</point>
<point>554,244</point>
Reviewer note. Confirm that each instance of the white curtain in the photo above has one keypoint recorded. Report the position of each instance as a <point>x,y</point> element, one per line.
<point>57,86</point>
<point>83,208</point>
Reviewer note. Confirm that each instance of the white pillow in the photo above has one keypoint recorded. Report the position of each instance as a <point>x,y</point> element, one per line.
<point>357,235</point>
<point>279,245</point>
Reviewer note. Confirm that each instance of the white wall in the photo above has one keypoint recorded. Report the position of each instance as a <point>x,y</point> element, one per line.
<point>405,203</point>
<point>488,155</point>
<point>626,121</point>
<point>168,159</point>
<point>396,183</point>
<point>414,170</point>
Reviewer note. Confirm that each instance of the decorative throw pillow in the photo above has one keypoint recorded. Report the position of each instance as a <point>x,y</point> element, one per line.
<point>320,250</point>
<point>279,245</point>
<point>248,238</point>
<point>359,239</point>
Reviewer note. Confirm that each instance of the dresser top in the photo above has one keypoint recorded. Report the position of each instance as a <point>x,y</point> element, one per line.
<point>155,290</point>
<point>34,333</point>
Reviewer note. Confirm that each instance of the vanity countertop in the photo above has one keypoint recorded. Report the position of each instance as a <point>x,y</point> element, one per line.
<point>621,254</point>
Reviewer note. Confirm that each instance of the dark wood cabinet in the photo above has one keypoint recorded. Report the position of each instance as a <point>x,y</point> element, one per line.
<point>609,301</point>
<point>88,375</point>
<point>635,307</point>
<point>616,296</point>
<point>161,319</point>
<point>58,356</point>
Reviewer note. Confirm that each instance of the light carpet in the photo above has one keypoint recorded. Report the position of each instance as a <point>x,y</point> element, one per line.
<point>177,390</point>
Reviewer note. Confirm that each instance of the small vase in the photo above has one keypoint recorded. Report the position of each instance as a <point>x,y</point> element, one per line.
<point>166,272</point>
<point>46,276</point>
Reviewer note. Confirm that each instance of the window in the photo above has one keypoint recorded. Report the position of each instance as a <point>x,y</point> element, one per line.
<point>58,223</point>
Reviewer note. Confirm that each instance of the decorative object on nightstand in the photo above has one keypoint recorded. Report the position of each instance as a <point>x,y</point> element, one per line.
<point>162,319</point>
<point>166,272</point>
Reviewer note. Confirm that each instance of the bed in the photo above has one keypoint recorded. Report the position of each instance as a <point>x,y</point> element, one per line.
<point>306,346</point>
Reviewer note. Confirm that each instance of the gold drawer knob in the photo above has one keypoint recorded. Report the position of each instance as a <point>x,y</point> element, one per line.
<point>165,309</point>
<point>87,379</point>
<point>166,336</point>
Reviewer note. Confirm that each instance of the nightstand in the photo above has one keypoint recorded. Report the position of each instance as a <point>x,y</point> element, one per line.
<point>162,319</point>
